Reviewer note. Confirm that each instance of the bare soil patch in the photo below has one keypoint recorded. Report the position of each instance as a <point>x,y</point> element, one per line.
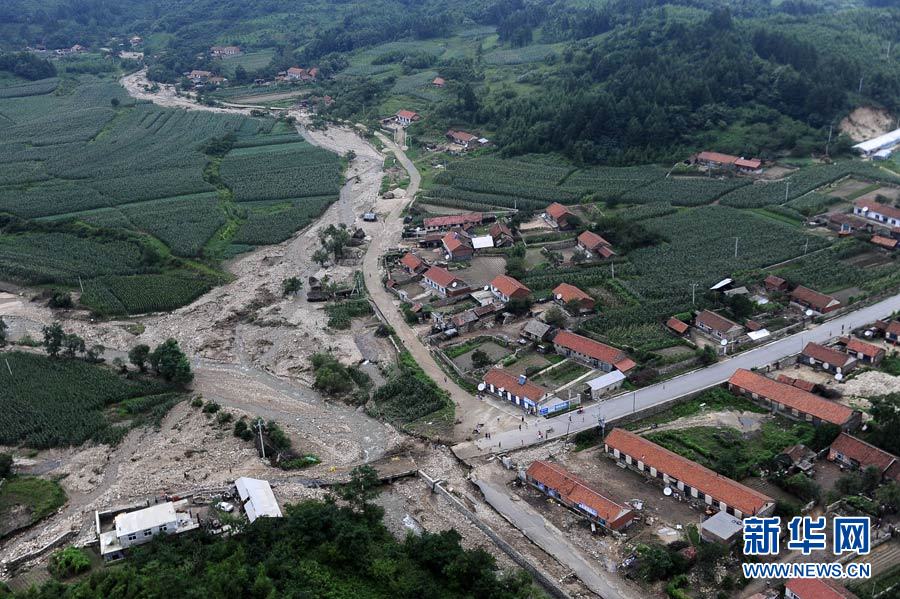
<point>866,122</point>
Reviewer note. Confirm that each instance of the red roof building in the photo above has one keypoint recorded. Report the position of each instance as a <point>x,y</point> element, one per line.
<point>807,386</point>
<point>816,588</point>
<point>791,401</point>
<point>501,234</point>
<point>593,353</point>
<point>689,477</point>
<point>457,246</point>
<point>827,358</point>
<point>405,117</point>
<point>814,300</point>
<point>557,482</point>
<point>565,293</point>
<point>718,326</point>
<point>774,283</point>
<point>436,223</point>
<point>507,288</point>
<point>748,164</point>
<point>856,453</point>
<point>560,215</point>
<point>592,243</point>
<point>444,282</point>
<point>678,326</point>
<point>892,332</point>
<point>716,159</point>
<point>864,352</point>
<point>515,388</point>
<point>881,213</point>
<point>412,263</point>
<point>439,82</point>
<point>461,137</point>
<point>885,242</point>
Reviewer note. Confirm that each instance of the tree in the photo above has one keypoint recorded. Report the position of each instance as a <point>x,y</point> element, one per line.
<point>60,300</point>
<point>120,365</point>
<point>707,355</point>
<point>139,355</point>
<point>573,307</point>
<point>320,256</point>
<point>519,306</point>
<point>362,488</point>
<point>53,339</point>
<point>556,317</point>
<point>824,436</point>
<point>291,286</point>
<point>741,306</point>
<point>94,353</point>
<point>6,463</point>
<point>654,563</point>
<point>3,332</point>
<point>480,359</point>
<point>579,256</point>
<point>170,363</point>
<point>887,495</point>
<point>73,344</point>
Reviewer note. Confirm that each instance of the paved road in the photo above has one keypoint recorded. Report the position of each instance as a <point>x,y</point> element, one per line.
<point>629,402</point>
<point>553,541</point>
<point>469,410</point>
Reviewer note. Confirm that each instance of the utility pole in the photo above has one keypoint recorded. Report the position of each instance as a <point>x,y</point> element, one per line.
<point>736,247</point>
<point>8,367</point>
<point>80,284</point>
<point>828,143</point>
<point>787,191</point>
<point>612,265</point>
<point>262,446</point>
<point>859,91</point>
<point>694,293</point>
<point>806,247</point>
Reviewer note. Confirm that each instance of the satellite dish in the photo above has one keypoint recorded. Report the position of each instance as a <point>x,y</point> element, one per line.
<point>487,288</point>
<point>559,296</point>
<point>446,256</point>
<point>453,284</point>
<point>839,377</point>
<point>723,342</point>
<point>481,386</point>
<point>809,312</point>
<point>667,491</point>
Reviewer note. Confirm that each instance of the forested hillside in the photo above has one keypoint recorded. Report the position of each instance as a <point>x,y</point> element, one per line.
<point>608,81</point>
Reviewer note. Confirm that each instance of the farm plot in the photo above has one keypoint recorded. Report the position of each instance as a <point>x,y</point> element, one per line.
<point>281,171</point>
<point>59,402</point>
<point>683,191</point>
<point>607,181</point>
<point>30,88</point>
<point>275,221</point>
<point>183,224</point>
<point>139,294</point>
<point>837,268</point>
<point>532,53</point>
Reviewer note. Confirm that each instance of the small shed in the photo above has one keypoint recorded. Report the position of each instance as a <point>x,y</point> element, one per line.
<point>602,385</point>
<point>257,498</point>
<point>721,528</point>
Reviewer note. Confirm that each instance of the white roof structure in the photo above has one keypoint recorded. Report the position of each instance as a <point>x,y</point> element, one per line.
<point>485,241</point>
<point>155,515</point>
<point>723,526</point>
<point>879,143</point>
<point>607,380</point>
<point>258,498</point>
<point>721,284</point>
<point>883,154</point>
<point>757,335</point>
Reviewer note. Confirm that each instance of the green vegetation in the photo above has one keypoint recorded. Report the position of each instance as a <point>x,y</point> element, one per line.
<point>729,453</point>
<point>340,314</point>
<point>714,400</point>
<point>877,585</point>
<point>411,400</point>
<point>51,402</point>
<point>25,500</point>
<point>69,562</point>
<point>282,171</point>
<point>318,549</point>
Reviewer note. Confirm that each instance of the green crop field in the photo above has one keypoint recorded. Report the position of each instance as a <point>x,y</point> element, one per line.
<point>106,192</point>
<point>683,191</point>
<point>48,402</point>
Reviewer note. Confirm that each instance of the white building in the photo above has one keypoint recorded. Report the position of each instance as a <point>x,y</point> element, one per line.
<point>140,526</point>
<point>257,498</point>
<point>600,386</point>
<point>882,142</point>
<point>881,213</point>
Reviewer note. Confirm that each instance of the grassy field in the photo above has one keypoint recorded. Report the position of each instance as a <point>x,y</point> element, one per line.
<point>25,500</point>
<point>48,402</point>
<point>123,198</point>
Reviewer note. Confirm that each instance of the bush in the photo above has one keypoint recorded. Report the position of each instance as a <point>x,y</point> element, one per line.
<point>6,463</point>
<point>69,562</point>
<point>277,437</point>
<point>332,377</point>
<point>224,417</point>
<point>211,407</point>
<point>242,430</point>
<point>197,402</point>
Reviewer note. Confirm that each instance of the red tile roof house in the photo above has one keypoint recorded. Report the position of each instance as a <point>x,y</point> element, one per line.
<point>506,288</point>
<point>716,159</point>
<point>576,494</point>
<point>816,588</point>
<point>678,326</point>
<point>819,302</point>
<point>718,326</point>
<point>885,242</point>
<point>880,213</point>
<point>461,137</point>
<point>808,386</point>
<point>561,216</point>
<point>444,282</point>
<point>501,234</point>
<point>590,352</point>
<point>892,332</point>
<point>514,388</point>
<point>438,223</point>
<point>774,283</point>
<point>864,352</point>
<point>457,246</point>
<point>689,477</point>
<point>565,293</point>
<point>406,117</point>
<point>827,359</point>
<point>856,453</point>
<point>595,245</point>
<point>295,73</point>
<point>748,165</point>
<point>412,263</point>
<point>792,402</point>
